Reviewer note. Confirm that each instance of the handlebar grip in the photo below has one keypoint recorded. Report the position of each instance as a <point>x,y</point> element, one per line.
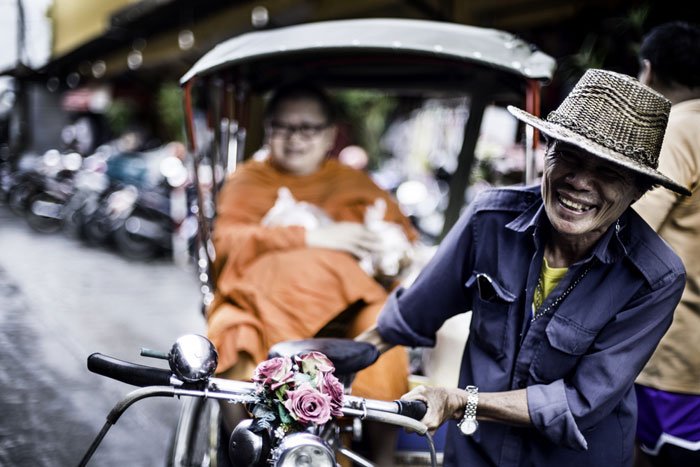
<point>126,372</point>
<point>414,408</point>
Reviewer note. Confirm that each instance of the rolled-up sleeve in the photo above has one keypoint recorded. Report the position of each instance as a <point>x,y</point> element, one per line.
<point>393,328</point>
<point>563,409</point>
<point>550,413</point>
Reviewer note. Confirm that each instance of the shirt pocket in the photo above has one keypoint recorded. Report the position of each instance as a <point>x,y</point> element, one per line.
<point>560,353</point>
<point>491,304</point>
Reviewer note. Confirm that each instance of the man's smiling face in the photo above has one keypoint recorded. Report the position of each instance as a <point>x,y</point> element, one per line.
<point>583,194</point>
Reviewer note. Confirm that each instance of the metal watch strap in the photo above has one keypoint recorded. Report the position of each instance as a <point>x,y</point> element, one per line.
<point>472,404</point>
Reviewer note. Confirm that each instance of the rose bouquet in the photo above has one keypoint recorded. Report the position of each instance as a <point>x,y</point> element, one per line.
<point>295,393</point>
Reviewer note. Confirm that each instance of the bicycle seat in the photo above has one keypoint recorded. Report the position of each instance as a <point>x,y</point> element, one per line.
<point>347,355</point>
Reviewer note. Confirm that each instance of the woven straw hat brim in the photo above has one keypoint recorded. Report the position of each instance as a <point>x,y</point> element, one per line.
<point>564,134</point>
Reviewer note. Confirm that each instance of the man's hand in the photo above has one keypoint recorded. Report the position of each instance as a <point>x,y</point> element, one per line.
<point>508,407</point>
<point>443,404</point>
<point>350,237</point>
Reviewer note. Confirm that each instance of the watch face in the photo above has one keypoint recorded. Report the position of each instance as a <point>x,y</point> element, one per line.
<point>468,426</point>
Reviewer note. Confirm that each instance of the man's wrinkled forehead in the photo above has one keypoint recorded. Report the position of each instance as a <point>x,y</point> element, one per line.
<point>555,145</point>
<point>586,158</point>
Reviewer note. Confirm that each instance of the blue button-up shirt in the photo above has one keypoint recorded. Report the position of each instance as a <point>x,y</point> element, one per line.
<point>578,362</point>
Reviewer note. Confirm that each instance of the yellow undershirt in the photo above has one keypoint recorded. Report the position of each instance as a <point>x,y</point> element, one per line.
<point>549,278</point>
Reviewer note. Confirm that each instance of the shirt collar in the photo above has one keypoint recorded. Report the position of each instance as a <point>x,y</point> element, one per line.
<point>609,249</point>
<point>611,246</point>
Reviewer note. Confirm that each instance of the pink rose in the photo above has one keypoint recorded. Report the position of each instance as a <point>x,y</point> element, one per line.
<point>307,405</point>
<point>330,385</point>
<point>313,362</point>
<point>274,372</point>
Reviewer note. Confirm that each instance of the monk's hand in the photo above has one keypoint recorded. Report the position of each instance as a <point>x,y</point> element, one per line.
<point>350,237</point>
<point>443,404</point>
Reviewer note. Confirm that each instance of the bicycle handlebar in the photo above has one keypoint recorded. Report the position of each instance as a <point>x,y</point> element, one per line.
<point>129,373</point>
<point>218,388</point>
<point>414,409</point>
<point>160,382</point>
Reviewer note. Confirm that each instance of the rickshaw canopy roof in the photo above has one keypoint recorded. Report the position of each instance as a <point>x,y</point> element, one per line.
<point>428,43</point>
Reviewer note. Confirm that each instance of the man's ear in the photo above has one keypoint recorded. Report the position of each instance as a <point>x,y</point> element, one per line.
<point>646,73</point>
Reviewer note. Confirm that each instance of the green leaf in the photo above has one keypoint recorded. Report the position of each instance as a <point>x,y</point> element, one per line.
<point>281,391</point>
<point>285,416</point>
<point>262,411</point>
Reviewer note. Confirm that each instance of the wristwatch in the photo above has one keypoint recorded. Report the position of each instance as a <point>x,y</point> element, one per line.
<point>468,424</point>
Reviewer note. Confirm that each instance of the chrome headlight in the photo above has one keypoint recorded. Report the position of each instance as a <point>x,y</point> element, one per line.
<point>304,449</point>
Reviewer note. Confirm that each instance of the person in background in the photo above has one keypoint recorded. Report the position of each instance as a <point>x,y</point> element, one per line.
<point>291,238</point>
<point>570,292</point>
<point>668,389</point>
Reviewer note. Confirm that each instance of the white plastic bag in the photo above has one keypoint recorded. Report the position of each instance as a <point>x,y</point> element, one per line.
<point>395,249</point>
<point>288,211</point>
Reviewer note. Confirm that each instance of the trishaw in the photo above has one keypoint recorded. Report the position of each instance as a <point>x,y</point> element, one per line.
<point>443,132</point>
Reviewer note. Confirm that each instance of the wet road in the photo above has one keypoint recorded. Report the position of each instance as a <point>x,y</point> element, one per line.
<point>59,302</point>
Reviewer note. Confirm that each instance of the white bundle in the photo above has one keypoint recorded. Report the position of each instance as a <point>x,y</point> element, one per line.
<point>288,211</point>
<point>395,250</point>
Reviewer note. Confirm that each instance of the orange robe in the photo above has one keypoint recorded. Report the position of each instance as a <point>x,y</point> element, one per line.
<point>272,287</point>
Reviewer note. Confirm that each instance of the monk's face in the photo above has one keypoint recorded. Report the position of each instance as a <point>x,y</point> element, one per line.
<point>299,136</point>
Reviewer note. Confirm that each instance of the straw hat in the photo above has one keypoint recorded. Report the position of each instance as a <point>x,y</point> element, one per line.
<point>614,117</point>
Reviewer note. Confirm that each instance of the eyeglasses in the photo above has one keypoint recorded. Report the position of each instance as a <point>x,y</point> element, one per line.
<point>305,130</point>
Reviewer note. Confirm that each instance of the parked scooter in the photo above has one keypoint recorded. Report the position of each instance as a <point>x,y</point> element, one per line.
<point>146,205</point>
<point>91,182</point>
<point>156,214</point>
<point>45,211</point>
<point>23,183</point>
<point>280,433</point>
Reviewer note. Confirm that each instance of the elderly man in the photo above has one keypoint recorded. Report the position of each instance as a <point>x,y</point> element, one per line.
<point>570,292</point>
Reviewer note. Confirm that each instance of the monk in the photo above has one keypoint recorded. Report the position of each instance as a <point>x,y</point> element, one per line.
<point>287,282</point>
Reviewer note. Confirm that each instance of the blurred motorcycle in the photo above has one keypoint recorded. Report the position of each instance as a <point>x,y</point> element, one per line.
<point>45,207</point>
<point>91,182</point>
<point>23,182</point>
<point>146,206</point>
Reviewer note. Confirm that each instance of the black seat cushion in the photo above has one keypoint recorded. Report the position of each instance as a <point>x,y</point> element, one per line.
<point>347,355</point>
